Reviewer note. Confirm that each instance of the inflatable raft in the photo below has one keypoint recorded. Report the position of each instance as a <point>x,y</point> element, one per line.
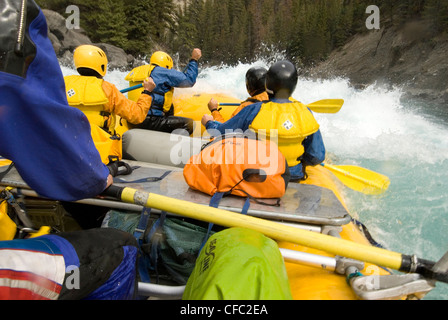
<point>315,206</point>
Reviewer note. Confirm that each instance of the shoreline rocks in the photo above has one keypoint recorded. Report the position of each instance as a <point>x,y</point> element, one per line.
<point>411,57</point>
<point>65,41</point>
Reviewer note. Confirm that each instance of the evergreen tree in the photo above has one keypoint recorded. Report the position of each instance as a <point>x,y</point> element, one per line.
<point>184,34</point>
<point>229,31</point>
<point>220,27</point>
<point>138,13</point>
<point>161,18</point>
<point>55,5</point>
<point>104,21</point>
<point>110,21</point>
<point>238,30</point>
<point>437,12</point>
<point>205,30</point>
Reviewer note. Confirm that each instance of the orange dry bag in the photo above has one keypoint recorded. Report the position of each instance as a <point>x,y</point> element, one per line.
<point>239,165</point>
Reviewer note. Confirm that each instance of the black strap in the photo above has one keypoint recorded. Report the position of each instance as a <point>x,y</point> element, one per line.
<point>276,204</point>
<point>149,179</point>
<point>119,168</point>
<point>214,202</point>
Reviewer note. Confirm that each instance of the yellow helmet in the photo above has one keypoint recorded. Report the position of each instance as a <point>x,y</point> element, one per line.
<point>161,59</point>
<point>88,56</point>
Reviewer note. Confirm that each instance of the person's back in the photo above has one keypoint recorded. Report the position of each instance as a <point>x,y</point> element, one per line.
<point>286,120</point>
<point>161,114</point>
<point>167,79</point>
<point>101,101</point>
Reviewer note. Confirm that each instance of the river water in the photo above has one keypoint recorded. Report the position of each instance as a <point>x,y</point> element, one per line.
<point>374,130</point>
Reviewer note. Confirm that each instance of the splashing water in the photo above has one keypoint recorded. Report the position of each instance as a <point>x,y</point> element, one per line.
<point>376,131</point>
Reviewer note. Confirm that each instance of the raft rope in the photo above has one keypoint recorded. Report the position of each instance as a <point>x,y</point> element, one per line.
<point>367,234</point>
<point>371,240</point>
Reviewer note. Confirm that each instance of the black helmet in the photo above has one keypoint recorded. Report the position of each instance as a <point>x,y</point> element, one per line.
<point>281,78</point>
<point>256,80</point>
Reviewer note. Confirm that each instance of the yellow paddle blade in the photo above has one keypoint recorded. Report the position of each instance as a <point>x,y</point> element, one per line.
<point>327,106</point>
<point>360,179</point>
<point>4,162</point>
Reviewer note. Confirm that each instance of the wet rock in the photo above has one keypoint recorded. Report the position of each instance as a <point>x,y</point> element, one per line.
<point>62,38</point>
<point>65,41</point>
<point>410,56</point>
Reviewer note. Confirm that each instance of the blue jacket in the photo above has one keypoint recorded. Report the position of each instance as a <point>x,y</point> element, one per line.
<point>49,141</point>
<point>166,79</point>
<point>314,145</point>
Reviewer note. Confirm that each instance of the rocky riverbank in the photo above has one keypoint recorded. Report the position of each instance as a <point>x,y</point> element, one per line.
<point>411,57</point>
<point>66,40</point>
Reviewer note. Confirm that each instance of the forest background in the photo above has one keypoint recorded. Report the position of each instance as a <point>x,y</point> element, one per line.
<point>232,31</point>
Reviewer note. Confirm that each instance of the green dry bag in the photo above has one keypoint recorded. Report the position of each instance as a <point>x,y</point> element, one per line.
<point>239,264</point>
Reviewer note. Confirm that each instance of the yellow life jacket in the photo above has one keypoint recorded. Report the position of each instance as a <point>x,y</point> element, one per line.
<point>289,123</point>
<point>137,76</point>
<point>110,147</point>
<point>168,102</point>
<point>8,228</point>
<point>87,94</point>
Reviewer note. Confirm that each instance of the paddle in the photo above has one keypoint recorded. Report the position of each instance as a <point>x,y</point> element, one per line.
<point>279,232</point>
<point>442,265</point>
<point>360,179</point>
<point>132,88</point>
<point>321,106</point>
<point>330,106</point>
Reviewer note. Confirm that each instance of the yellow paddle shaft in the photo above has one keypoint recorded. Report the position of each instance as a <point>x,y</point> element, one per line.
<point>322,106</point>
<point>345,248</point>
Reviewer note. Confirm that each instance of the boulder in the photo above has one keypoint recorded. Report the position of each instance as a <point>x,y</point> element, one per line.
<point>62,38</point>
<point>117,57</point>
<point>65,41</point>
<point>409,56</point>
